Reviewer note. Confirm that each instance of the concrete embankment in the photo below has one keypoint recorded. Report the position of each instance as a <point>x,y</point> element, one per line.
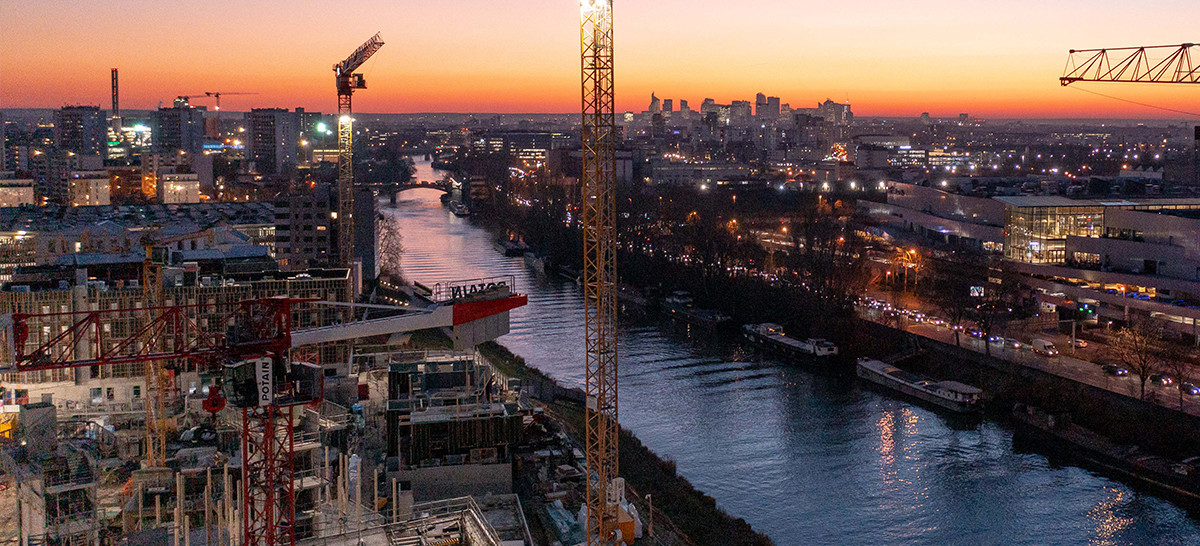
<point>691,513</point>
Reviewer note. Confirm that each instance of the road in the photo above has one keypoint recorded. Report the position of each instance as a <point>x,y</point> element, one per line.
<point>1074,367</point>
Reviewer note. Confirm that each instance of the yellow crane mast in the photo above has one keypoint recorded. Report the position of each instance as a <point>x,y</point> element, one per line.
<point>347,81</point>
<point>599,266</point>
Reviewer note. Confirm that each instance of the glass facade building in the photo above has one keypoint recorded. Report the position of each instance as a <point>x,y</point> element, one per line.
<point>1036,227</point>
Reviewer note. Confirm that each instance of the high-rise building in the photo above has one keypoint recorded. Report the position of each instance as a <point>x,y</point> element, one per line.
<point>180,127</point>
<point>668,106</point>
<point>3,145</point>
<point>760,105</point>
<point>273,134</point>
<point>655,105</point>
<point>772,109</point>
<point>79,129</point>
<point>740,112</point>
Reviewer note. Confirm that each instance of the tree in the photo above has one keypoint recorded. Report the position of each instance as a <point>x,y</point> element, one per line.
<point>1176,361</point>
<point>995,306</point>
<point>953,277</point>
<point>1138,346</point>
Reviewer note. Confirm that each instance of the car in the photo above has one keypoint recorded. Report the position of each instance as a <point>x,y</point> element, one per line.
<point>957,327</point>
<point>995,339</point>
<point>1160,379</point>
<point>1080,344</point>
<point>937,321</point>
<point>1111,369</point>
<point>1189,389</point>
<point>919,317</point>
<point>975,333</point>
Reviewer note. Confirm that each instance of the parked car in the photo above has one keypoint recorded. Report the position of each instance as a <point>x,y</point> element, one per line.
<point>1080,344</point>
<point>1189,389</point>
<point>1160,379</point>
<point>1111,369</point>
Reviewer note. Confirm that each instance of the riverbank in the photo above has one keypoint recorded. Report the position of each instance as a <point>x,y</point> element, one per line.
<point>694,514</point>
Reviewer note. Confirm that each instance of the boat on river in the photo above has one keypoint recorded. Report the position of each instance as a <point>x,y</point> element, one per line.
<point>680,305</point>
<point>1056,431</point>
<point>460,210</point>
<point>510,247</point>
<point>772,337</point>
<point>951,395</point>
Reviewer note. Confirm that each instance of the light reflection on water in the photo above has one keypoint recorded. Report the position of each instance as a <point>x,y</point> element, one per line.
<point>804,458</point>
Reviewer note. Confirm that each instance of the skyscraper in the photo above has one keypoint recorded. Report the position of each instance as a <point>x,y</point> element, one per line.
<point>668,106</point>
<point>655,105</point>
<point>760,105</point>
<point>79,129</point>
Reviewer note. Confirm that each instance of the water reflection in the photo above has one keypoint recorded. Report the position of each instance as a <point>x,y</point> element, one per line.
<point>806,458</point>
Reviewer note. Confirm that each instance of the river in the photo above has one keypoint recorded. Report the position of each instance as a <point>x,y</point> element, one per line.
<point>804,458</point>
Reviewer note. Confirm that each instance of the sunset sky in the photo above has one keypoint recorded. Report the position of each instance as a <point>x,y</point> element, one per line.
<point>993,59</point>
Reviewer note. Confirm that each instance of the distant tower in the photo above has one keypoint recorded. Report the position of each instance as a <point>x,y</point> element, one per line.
<point>655,105</point>
<point>760,105</point>
<point>668,106</point>
<point>115,122</point>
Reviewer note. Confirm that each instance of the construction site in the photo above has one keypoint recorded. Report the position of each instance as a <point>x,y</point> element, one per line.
<point>251,406</point>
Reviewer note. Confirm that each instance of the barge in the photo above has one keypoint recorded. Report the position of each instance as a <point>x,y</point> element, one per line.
<point>951,395</point>
<point>772,337</point>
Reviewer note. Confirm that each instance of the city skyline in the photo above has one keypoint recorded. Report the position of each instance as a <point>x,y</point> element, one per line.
<point>488,57</point>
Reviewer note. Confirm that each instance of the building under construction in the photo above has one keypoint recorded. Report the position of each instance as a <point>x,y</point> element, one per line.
<point>452,425</point>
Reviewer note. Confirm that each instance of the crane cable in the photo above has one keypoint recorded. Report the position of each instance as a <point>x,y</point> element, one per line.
<point>1184,112</point>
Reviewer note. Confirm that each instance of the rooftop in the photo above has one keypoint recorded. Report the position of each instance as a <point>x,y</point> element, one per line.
<point>203,215</point>
<point>1059,201</point>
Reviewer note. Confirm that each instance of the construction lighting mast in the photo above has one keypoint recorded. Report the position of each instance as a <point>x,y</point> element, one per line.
<point>599,271</point>
<point>347,82</point>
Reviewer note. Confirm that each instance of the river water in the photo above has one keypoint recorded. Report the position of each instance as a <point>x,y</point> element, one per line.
<point>806,459</point>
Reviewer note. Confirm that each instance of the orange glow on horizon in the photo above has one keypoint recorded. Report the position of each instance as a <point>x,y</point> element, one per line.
<point>999,60</point>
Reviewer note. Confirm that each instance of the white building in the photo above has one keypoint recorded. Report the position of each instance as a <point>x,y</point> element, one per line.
<point>14,193</point>
<point>178,188</point>
<point>89,188</point>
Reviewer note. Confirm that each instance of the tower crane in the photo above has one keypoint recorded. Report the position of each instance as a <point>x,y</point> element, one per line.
<point>599,271</point>
<point>347,81</point>
<point>250,347</point>
<point>1138,64</point>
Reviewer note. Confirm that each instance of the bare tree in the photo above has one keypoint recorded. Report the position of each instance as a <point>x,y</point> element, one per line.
<point>390,247</point>
<point>1176,361</point>
<point>1138,346</point>
<point>950,288</point>
<point>995,307</point>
